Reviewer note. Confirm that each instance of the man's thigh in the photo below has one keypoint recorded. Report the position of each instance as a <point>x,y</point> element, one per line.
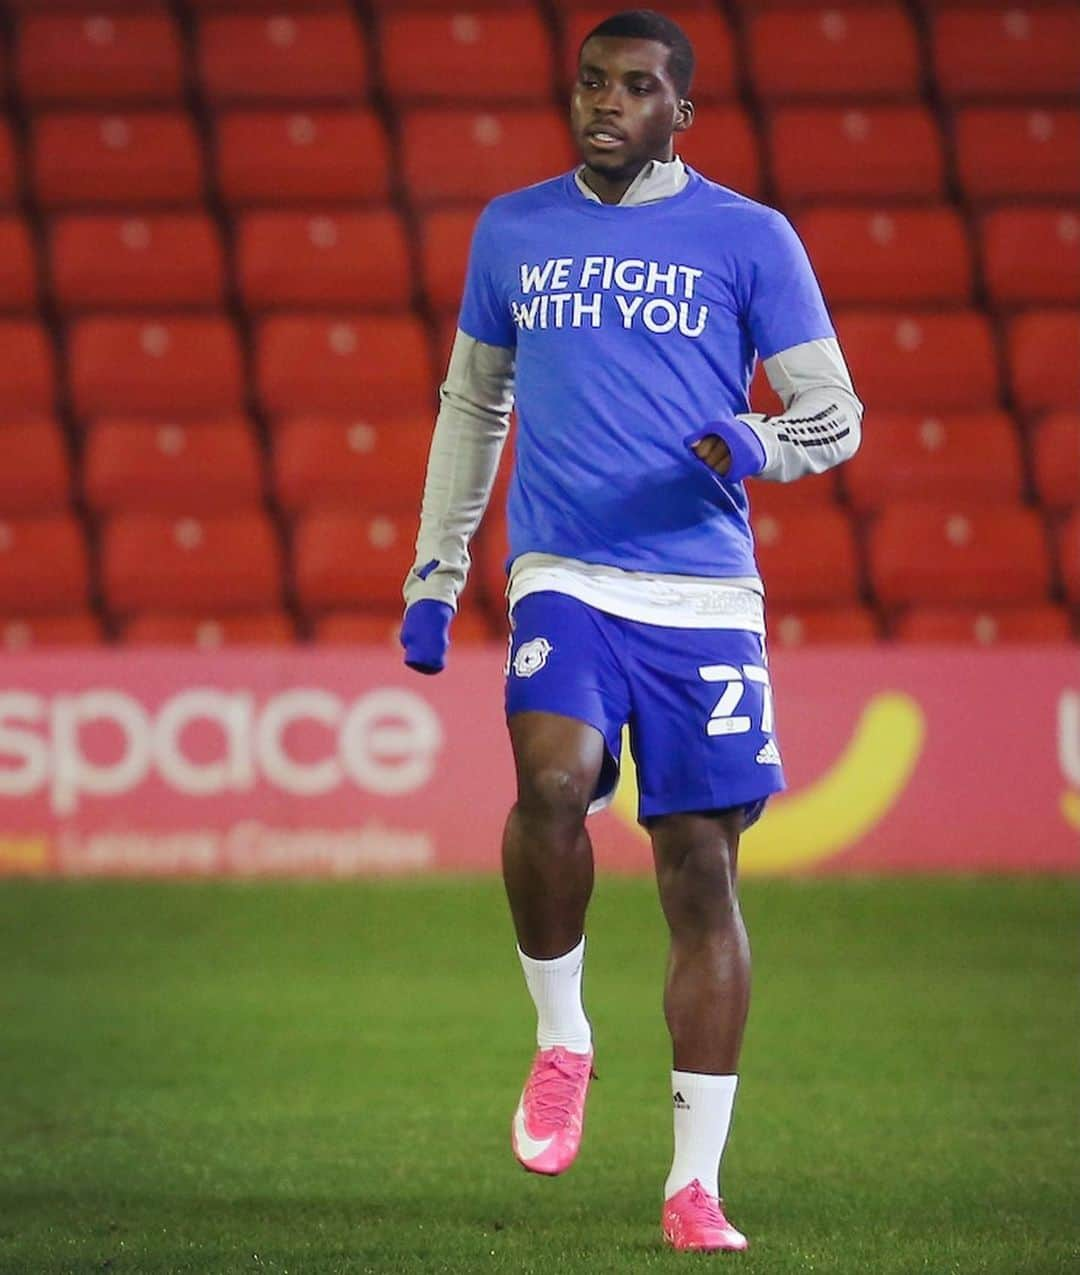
<point>564,658</point>
<point>701,723</point>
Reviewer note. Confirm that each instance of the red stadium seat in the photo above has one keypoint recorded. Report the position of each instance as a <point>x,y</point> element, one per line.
<point>206,467</point>
<point>820,626</point>
<point>208,565</point>
<point>709,33</point>
<point>893,256</point>
<point>807,557</point>
<point>921,361</point>
<point>870,152</point>
<point>9,166</point>
<point>445,236</point>
<point>262,6</point>
<point>351,464</point>
<point>431,56</point>
<point>365,628</point>
<point>1044,360</point>
<point>914,456</point>
<point>164,367</point>
<point>137,159</point>
<point>1056,460</point>
<point>1008,152</point>
<point>245,628</point>
<point>21,632</point>
<point>44,565</point>
<point>867,52</point>
<point>722,146</point>
<point>1031,256</point>
<point>329,260</point>
<point>302,157</point>
<point>27,370</point>
<point>1007,52</point>
<point>35,477</point>
<point>1068,547</point>
<point>107,261</point>
<point>18,269</point>
<point>454,155</point>
<point>982,626</point>
<point>351,560</point>
<point>956,555</point>
<point>91,60</point>
<point>379,366</point>
<point>780,499</point>
<point>282,57</point>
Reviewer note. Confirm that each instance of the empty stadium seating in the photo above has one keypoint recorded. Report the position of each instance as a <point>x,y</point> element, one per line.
<point>379,366</point>
<point>35,477</point>
<point>868,52</point>
<point>99,59</point>
<point>919,456</point>
<point>211,564</point>
<point>169,366</point>
<point>983,626</point>
<point>329,260</point>
<point>958,554</point>
<point>921,360</point>
<point>317,156</point>
<point>136,159</point>
<point>18,267</point>
<point>346,560</point>
<point>1056,459</point>
<point>282,57</point>
<point>432,55</point>
<point>1031,256</point>
<point>233,237</point>
<point>1007,52</point>
<point>110,261</point>
<point>865,152</point>
<point>808,557</point>
<point>889,255</point>
<point>1017,152</point>
<point>326,462</point>
<point>205,467</point>
<point>27,545</point>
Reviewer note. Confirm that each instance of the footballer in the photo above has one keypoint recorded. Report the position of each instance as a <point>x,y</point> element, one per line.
<point>621,308</point>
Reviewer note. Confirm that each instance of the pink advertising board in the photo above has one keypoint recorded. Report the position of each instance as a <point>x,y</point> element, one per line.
<point>342,762</point>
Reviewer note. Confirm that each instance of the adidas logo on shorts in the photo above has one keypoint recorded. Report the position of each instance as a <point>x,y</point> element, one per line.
<point>769,755</point>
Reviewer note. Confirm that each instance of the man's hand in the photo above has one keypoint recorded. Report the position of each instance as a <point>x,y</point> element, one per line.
<point>714,452</point>
<point>425,635</point>
<point>729,449</point>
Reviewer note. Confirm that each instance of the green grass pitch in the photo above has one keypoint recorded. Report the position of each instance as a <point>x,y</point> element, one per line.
<point>319,1077</point>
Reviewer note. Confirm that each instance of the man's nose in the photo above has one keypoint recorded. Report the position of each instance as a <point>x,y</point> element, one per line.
<point>609,100</point>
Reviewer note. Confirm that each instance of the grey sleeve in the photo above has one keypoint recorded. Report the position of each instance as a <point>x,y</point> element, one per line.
<point>821,425</point>
<point>475,402</point>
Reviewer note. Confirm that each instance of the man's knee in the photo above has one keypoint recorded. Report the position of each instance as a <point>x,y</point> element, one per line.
<point>695,865</point>
<point>554,794</point>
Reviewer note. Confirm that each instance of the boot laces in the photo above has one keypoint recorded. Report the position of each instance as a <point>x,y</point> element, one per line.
<point>553,1089</point>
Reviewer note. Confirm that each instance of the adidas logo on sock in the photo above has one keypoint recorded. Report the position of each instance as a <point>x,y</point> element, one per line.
<point>681,1102</point>
<point>769,755</point>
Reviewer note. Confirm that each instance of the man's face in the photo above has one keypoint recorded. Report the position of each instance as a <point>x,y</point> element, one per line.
<point>625,106</point>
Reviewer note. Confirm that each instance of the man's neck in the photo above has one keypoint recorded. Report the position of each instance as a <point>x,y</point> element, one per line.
<point>655,180</point>
<point>607,190</point>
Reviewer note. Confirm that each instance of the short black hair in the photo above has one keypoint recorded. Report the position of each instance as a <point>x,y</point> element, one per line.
<point>647,24</point>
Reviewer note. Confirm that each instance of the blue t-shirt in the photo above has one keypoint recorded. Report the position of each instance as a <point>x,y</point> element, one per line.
<point>633,327</point>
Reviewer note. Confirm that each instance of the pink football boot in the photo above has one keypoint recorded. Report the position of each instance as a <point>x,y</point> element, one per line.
<point>694,1221</point>
<point>546,1132</point>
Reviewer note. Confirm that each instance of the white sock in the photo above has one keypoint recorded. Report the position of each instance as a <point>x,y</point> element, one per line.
<point>555,987</point>
<point>703,1106</point>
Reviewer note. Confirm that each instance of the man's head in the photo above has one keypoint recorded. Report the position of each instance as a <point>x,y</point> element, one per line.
<point>632,93</point>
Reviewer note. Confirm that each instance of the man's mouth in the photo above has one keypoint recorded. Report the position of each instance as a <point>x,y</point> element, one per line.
<point>605,138</point>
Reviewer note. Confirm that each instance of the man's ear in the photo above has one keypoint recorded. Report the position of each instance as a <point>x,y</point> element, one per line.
<point>684,115</point>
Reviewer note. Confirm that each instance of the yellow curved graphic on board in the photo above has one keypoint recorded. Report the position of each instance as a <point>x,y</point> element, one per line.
<point>1070,808</point>
<point>855,793</point>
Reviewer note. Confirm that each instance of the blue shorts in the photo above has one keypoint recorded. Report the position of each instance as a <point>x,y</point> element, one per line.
<point>697,702</point>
